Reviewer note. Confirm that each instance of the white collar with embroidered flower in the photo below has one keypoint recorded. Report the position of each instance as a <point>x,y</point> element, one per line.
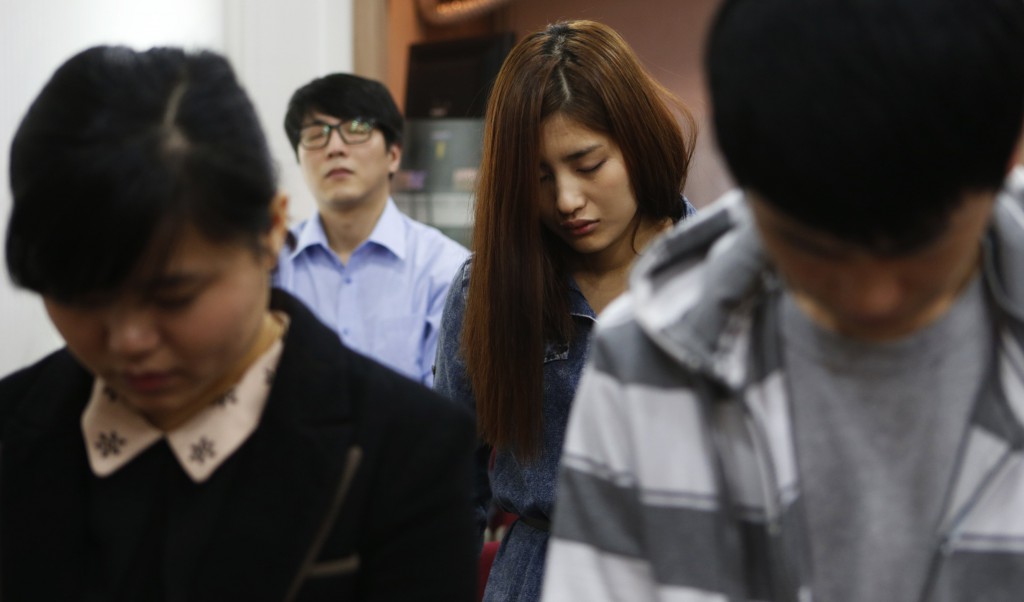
<point>115,433</point>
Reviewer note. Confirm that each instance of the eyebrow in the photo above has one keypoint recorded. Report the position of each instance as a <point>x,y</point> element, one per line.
<point>579,154</point>
<point>176,281</point>
<point>809,242</point>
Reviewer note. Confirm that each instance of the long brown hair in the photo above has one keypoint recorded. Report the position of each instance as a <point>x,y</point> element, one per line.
<point>519,285</point>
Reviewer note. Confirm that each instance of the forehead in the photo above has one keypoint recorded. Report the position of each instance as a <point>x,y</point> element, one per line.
<point>783,233</point>
<point>962,229</point>
<point>563,138</point>
<point>186,251</point>
<point>321,117</point>
<point>770,220</point>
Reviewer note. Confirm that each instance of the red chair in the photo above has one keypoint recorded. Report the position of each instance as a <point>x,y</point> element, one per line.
<point>498,522</point>
<point>487,554</point>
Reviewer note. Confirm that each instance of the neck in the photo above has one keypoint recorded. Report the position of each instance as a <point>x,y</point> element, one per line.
<point>349,226</point>
<point>603,276</point>
<point>270,331</point>
<point>618,258</point>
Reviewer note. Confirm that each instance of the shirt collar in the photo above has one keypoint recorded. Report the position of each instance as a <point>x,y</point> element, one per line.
<point>388,233</point>
<point>115,433</point>
<point>310,233</point>
<point>578,305</point>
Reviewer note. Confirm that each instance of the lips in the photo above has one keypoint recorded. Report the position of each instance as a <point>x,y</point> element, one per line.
<point>579,227</point>
<point>339,172</point>
<point>142,383</point>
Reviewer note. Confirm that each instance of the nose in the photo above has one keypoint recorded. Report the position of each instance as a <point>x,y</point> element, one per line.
<point>569,197</point>
<point>335,144</point>
<point>131,332</point>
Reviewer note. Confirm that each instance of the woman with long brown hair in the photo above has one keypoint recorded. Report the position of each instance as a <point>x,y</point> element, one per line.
<point>583,165</point>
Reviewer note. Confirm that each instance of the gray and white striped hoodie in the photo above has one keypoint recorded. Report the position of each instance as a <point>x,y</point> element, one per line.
<point>678,480</point>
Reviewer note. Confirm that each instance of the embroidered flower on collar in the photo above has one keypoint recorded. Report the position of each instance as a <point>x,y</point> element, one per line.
<point>109,443</point>
<point>115,433</point>
<point>202,450</point>
<point>230,397</point>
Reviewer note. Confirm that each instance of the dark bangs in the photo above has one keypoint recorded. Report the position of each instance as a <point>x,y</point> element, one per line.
<point>118,153</point>
<point>82,233</point>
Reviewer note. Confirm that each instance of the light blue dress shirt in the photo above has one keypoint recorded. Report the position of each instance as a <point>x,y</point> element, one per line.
<point>386,302</point>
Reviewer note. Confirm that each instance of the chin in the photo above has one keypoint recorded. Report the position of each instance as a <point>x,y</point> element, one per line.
<point>877,330</point>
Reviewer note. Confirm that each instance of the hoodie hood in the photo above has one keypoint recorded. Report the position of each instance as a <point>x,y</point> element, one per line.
<point>1004,252</point>
<point>694,289</point>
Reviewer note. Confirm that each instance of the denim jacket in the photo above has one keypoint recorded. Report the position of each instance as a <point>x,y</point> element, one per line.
<point>527,490</point>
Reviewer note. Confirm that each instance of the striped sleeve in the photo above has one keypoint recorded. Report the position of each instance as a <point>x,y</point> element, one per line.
<point>595,551</point>
<point>632,467</point>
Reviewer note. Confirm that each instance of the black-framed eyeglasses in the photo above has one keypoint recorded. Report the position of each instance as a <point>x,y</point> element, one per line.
<point>354,131</point>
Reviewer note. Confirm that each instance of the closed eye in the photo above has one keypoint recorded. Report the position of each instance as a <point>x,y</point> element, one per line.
<point>592,168</point>
<point>173,303</point>
<point>177,292</point>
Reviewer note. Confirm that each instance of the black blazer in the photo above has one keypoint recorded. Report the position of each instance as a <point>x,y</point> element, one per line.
<point>355,486</point>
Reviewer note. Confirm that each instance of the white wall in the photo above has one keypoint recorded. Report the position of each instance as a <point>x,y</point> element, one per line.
<point>276,45</point>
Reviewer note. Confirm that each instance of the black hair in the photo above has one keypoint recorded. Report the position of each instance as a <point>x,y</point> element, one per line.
<point>344,96</point>
<point>118,153</point>
<point>868,119</point>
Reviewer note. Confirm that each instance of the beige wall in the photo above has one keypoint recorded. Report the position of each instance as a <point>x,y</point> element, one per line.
<point>668,36</point>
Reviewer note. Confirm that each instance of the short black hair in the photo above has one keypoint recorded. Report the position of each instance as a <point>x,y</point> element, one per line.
<point>119,152</point>
<point>344,96</point>
<point>868,119</point>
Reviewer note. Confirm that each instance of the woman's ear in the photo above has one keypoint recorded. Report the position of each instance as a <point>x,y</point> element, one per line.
<point>278,225</point>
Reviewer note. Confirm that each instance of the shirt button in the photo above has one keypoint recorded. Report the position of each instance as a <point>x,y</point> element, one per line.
<point>344,331</point>
<point>348,280</point>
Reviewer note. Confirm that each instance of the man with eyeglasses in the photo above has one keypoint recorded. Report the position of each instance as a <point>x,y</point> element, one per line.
<point>374,275</point>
